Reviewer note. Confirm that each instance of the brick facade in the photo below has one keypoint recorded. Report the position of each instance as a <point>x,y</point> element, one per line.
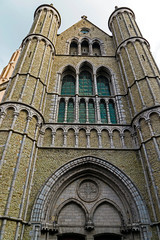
<point>90,180</point>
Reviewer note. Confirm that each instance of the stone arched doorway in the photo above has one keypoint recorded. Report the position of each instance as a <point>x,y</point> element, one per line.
<point>89,198</point>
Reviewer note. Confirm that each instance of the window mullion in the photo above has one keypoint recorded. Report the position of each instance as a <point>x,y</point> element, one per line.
<point>66,108</point>
<point>98,110</point>
<point>95,84</point>
<point>108,113</point>
<point>79,49</point>
<point>77,83</point>
<point>90,49</point>
<point>87,115</point>
<point>76,109</point>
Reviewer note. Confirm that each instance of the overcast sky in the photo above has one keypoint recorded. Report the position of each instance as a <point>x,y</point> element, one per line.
<point>16,17</point>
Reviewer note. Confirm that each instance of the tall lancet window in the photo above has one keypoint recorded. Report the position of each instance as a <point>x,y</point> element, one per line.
<point>82,111</point>
<point>85,84</point>
<point>103,86</point>
<point>61,113</point>
<point>91,111</point>
<point>70,112</point>
<point>103,112</point>
<point>73,48</point>
<point>96,49</point>
<point>68,85</point>
<point>85,47</point>
<point>112,112</point>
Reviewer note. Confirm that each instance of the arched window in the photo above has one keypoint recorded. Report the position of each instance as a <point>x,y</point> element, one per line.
<point>85,47</point>
<point>103,112</point>
<point>112,112</point>
<point>96,49</point>
<point>91,111</point>
<point>85,83</point>
<point>73,48</point>
<point>82,111</point>
<point>70,111</point>
<point>103,86</point>
<point>61,113</point>
<point>68,85</point>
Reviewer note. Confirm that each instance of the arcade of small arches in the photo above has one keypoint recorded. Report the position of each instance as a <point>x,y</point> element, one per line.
<point>105,136</point>
<point>73,135</point>
<point>87,97</point>
<point>87,137</point>
<point>85,47</point>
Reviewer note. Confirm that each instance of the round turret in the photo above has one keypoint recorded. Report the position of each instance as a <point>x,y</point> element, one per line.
<point>47,20</point>
<point>32,72</point>
<point>123,25</point>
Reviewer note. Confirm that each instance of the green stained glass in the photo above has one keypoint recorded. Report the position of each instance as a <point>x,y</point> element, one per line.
<point>68,85</point>
<point>103,112</point>
<point>103,86</point>
<point>61,111</point>
<point>85,84</point>
<point>70,112</point>
<point>91,112</point>
<point>82,112</point>
<point>112,113</point>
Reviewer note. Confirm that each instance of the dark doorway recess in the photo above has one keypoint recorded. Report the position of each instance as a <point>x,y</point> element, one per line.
<point>71,237</point>
<point>107,237</point>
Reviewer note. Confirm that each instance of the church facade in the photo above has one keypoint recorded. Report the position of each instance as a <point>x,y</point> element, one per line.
<point>80,134</point>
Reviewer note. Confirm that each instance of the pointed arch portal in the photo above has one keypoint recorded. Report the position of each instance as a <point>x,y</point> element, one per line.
<point>91,196</point>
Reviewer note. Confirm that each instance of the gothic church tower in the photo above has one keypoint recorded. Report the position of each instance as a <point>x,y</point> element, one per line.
<point>80,135</point>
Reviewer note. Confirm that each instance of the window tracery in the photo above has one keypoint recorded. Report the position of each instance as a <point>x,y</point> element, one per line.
<point>85,46</point>
<point>91,96</point>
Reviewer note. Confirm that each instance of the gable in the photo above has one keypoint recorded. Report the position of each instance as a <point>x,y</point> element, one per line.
<point>75,32</point>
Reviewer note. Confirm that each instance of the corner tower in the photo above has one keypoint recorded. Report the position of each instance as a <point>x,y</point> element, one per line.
<point>142,82</point>
<point>21,117</point>
<point>133,52</point>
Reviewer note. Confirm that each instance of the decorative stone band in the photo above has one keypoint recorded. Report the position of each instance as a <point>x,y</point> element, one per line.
<point>46,190</point>
<point>131,40</point>
<point>87,127</point>
<point>39,37</point>
<point>49,8</point>
<point>119,10</point>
